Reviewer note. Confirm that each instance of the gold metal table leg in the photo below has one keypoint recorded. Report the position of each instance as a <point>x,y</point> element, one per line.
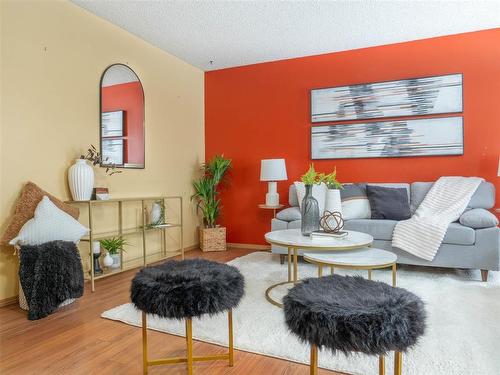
<point>398,363</point>
<point>381,365</point>
<point>144,344</point>
<point>394,269</point>
<point>332,270</point>
<point>369,274</point>
<point>189,338</point>
<point>320,270</point>
<point>314,361</point>
<point>289,264</point>
<point>295,265</point>
<point>231,348</point>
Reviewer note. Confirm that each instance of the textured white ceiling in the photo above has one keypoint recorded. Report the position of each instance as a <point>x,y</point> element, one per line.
<point>233,33</point>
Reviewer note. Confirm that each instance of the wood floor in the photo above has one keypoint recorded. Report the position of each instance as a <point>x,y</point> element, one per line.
<point>75,340</point>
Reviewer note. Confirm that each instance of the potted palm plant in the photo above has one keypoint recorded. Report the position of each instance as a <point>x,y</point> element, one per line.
<point>212,235</point>
<point>113,247</point>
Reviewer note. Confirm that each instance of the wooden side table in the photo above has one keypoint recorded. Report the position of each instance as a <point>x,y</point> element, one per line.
<point>274,208</point>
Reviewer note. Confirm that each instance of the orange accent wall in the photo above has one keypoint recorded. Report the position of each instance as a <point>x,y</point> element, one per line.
<point>128,97</point>
<point>262,111</point>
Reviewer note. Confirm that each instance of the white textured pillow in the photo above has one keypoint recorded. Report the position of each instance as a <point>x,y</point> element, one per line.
<point>49,224</point>
<point>318,192</point>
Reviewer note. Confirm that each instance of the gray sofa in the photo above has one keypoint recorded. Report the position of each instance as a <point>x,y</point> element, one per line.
<point>463,247</point>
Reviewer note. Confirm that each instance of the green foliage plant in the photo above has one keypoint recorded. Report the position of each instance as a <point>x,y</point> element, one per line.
<point>331,180</point>
<point>114,245</point>
<point>207,189</point>
<point>311,177</point>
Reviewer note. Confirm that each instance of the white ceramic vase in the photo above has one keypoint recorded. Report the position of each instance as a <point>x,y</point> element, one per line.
<point>333,202</point>
<point>156,214</point>
<point>81,180</point>
<point>117,262</point>
<point>107,261</point>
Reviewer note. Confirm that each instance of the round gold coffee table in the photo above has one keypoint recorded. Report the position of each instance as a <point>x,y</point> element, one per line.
<point>293,240</point>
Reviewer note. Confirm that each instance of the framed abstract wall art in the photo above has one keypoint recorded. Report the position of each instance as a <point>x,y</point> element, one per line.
<point>397,138</point>
<point>409,97</point>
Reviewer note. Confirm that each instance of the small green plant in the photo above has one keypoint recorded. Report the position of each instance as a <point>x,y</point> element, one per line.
<point>114,245</point>
<point>95,158</point>
<point>311,176</point>
<point>206,189</point>
<point>330,180</point>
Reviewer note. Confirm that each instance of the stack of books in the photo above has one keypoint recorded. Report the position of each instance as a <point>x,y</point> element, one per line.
<point>322,235</point>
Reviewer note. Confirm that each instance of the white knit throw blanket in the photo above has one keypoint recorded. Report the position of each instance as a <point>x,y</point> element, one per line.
<point>423,233</point>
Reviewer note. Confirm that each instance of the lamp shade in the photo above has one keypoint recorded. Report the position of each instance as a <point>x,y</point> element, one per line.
<point>273,170</point>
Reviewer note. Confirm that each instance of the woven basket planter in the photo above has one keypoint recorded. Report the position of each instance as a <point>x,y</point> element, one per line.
<point>213,239</point>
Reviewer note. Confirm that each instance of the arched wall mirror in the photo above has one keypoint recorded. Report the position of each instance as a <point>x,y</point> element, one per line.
<point>122,118</point>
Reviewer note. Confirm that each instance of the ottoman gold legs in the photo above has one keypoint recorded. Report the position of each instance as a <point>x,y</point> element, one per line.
<point>381,365</point>
<point>398,362</point>
<point>313,367</point>
<point>189,359</point>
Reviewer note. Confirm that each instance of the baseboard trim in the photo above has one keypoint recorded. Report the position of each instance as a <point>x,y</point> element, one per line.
<point>9,301</point>
<point>192,247</point>
<point>248,246</point>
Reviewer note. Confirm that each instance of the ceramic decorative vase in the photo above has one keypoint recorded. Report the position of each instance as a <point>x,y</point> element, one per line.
<point>156,214</point>
<point>116,261</point>
<point>333,202</point>
<point>107,261</point>
<point>309,213</point>
<point>81,180</point>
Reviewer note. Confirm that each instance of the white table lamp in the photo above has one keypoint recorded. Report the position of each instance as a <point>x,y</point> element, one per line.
<point>272,170</point>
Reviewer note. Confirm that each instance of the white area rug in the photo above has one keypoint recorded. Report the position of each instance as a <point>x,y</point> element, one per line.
<point>463,334</point>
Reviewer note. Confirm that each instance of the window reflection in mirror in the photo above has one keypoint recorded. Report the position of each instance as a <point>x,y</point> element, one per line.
<point>122,118</point>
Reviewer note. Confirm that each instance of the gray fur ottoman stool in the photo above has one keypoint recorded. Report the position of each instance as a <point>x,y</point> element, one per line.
<point>183,290</point>
<point>352,314</point>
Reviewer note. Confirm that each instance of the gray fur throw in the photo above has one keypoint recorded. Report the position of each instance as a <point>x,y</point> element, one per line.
<point>50,274</point>
<point>352,314</point>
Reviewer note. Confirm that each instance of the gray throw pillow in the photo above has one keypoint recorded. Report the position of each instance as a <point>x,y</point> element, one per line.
<point>478,218</point>
<point>289,214</point>
<point>388,203</point>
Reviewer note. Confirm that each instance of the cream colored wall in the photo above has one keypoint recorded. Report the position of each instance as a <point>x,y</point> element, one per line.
<point>53,54</point>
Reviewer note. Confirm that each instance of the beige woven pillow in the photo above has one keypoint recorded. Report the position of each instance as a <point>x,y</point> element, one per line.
<point>31,195</point>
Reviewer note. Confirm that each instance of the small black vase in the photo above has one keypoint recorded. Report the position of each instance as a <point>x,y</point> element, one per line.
<point>309,213</point>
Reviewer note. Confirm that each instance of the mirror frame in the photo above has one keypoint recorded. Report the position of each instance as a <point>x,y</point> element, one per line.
<point>143,116</point>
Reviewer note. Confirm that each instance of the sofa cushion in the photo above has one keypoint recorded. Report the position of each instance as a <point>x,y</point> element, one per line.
<point>388,203</point>
<point>381,230</point>
<point>478,218</point>
<point>483,197</point>
<point>294,224</point>
<point>292,196</point>
<point>277,224</point>
<point>458,234</point>
<point>289,214</point>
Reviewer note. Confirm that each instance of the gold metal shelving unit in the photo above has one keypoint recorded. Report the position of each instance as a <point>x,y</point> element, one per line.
<point>146,258</point>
